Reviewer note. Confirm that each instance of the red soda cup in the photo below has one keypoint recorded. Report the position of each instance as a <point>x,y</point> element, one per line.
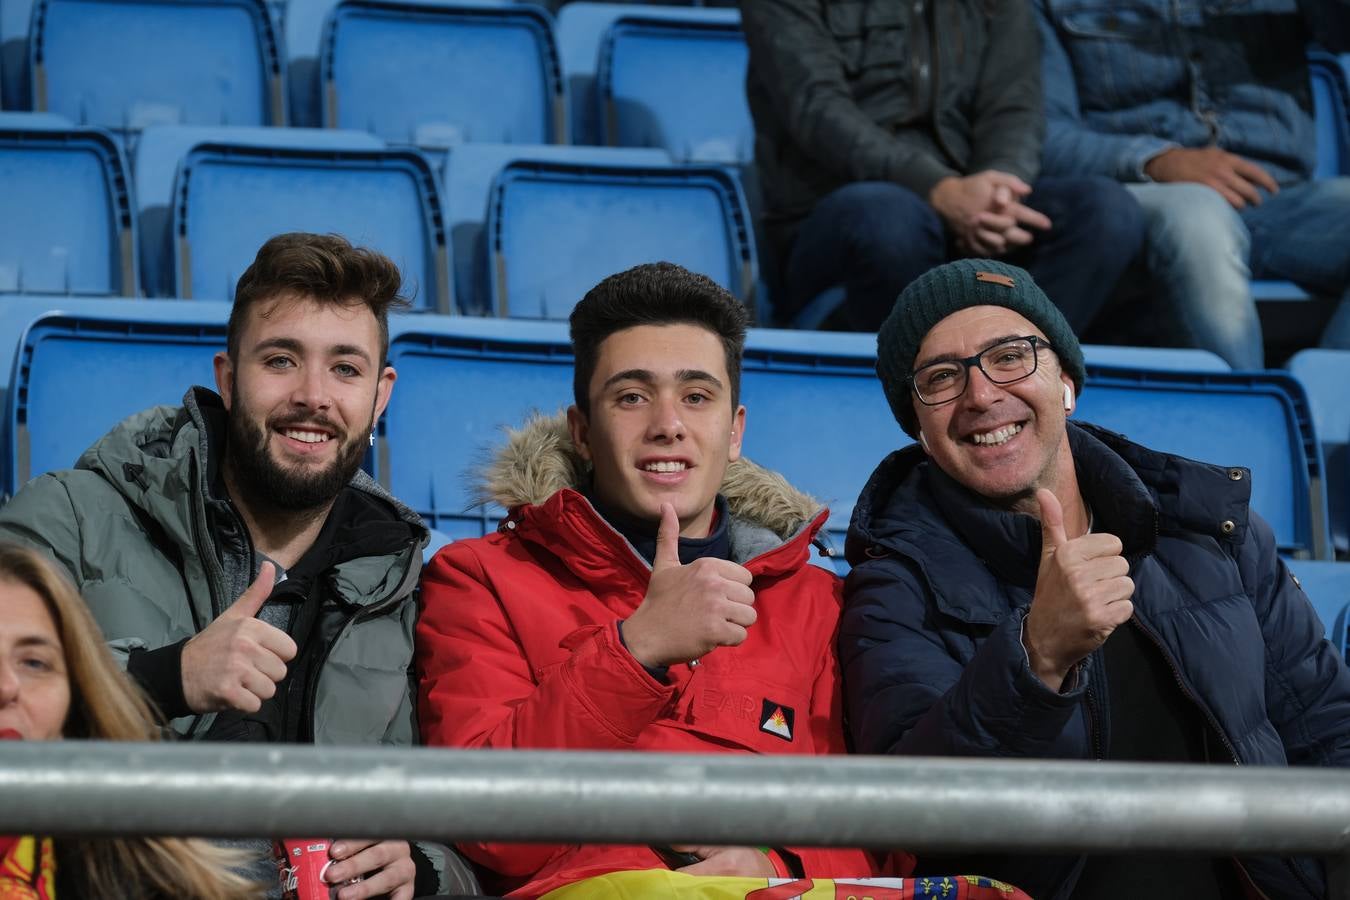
<point>301,864</point>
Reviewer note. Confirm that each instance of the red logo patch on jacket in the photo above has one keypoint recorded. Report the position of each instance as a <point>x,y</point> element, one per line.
<point>776,719</point>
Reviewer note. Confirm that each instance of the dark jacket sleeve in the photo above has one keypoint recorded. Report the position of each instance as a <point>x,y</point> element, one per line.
<point>915,685</point>
<point>798,62</point>
<point>1008,124</point>
<point>1307,682</point>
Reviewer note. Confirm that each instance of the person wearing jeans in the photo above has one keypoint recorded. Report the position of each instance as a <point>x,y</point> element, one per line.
<point>891,137</point>
<point>1206,114</point>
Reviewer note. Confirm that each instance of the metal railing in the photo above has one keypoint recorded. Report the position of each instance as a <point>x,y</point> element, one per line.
<point>215,790</point>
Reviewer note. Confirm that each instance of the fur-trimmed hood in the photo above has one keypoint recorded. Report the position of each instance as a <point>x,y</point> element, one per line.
<point>539,459</point>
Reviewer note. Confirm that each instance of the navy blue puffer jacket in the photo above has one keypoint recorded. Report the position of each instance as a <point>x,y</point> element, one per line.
<point>931,636</point>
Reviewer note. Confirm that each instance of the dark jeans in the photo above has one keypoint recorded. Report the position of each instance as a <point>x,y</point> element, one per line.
<point>875,237</point>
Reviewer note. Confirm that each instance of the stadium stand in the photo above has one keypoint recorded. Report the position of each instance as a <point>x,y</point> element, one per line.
<point>581,31</point>
<point>438,75</point>
<point>1327,585</point>
<point>84,366</point>
<point>617,216</point>
<point>67,226</point>
<point>1325,374</point>
<point>124,65</point>
<point>679,85</point>
<point>1258,420</point>
<point>229,198</point>
<point>159,151</point>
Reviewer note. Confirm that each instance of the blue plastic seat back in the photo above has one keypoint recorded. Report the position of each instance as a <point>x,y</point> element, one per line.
<point>229,199</point>
<point>677,85</point>
<point>462,381</point>
<point>555,230</point>
<point>436,76</point>
<point>581,29</point>
<point>124,65</point>
<point>1327,585</point>
<point>14,18</point>
<point>1259,421</point>
<point>77,375</point>
<point>161,148</point>
<point>816,414</point>
<point>468,173</point>
<point>66,225</point>
<point>1326,374</point>
<point>1331,111</point>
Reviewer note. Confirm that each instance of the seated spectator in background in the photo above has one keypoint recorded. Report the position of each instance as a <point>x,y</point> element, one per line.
<point>246,572</point>
<point>892,136</point>
<point>1028,587</point>
<point>57,680</point>
<point>648,590</point>
<point>1205,110</point>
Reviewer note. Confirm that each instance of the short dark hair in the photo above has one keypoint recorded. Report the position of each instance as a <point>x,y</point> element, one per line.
<point>659,293</point>
<point>324,268</point>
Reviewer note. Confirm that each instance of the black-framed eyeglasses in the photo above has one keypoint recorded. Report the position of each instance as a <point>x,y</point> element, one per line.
<point>1012,360</point>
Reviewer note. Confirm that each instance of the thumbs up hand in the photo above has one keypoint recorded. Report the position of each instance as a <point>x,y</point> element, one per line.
<point>1083,592</point>
<point>690,609</point>
<point>237,660</point>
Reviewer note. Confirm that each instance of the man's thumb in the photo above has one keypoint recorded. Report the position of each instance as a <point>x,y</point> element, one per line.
<point>667,540</point>
<point>1052,520</point>
<point>252,600</point>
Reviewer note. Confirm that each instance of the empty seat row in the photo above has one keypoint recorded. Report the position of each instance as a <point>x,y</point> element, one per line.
<point>415,72</point>
<point>203,199</point>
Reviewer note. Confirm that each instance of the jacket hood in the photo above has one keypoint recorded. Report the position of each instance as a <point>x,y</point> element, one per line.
<point>161,458</point>
<point>539,459</point>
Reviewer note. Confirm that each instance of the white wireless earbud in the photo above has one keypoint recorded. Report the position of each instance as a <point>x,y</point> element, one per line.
<point>923,442</point>
<point>1068,398</point>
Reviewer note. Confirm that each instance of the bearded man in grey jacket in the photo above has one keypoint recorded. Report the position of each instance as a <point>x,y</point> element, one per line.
<point>253,580</point>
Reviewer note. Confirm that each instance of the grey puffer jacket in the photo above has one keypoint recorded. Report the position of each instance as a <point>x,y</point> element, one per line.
<point>157,557</point>
<point>136,526</point>
<point>906,91</point>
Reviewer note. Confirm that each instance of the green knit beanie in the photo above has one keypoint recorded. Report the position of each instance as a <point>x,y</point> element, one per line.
<point>938,293</point>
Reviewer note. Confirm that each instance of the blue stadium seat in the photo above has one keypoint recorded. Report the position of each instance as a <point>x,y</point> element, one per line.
<point>1327,585</point>
<point>468,172</point>
<point>497,372</point>
<point>126,64</point>
<point>159,151</point>
<point>1169,359</point>
<point>815,413</point>
<point>1258,420</point>
<point>1325,374</point>
<point>77,372</point>
<point>229,198</point>
<point>1331,110</point>
<point>1331,105</point>
<point>438,75</point>
<point>616,216</point>
<point>581,29</point>
<point>67,224</point>
<point>677,85</point>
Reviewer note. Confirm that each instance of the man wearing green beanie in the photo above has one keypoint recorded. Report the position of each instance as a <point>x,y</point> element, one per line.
<point>1026,586</point>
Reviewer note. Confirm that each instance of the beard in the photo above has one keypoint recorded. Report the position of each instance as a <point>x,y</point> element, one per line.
<point>268,484</point>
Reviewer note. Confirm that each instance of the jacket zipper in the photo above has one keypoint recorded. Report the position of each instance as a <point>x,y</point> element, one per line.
<point>202,555</point>
<point>312,691</point>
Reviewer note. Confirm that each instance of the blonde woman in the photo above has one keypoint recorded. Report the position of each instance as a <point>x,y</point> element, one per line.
<point>57,680</point>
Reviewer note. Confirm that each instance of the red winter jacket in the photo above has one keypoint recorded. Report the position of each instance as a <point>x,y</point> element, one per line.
<point>518,647</point>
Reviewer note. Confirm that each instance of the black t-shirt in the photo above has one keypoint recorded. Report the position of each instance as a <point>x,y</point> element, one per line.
<point>1151,720</point>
